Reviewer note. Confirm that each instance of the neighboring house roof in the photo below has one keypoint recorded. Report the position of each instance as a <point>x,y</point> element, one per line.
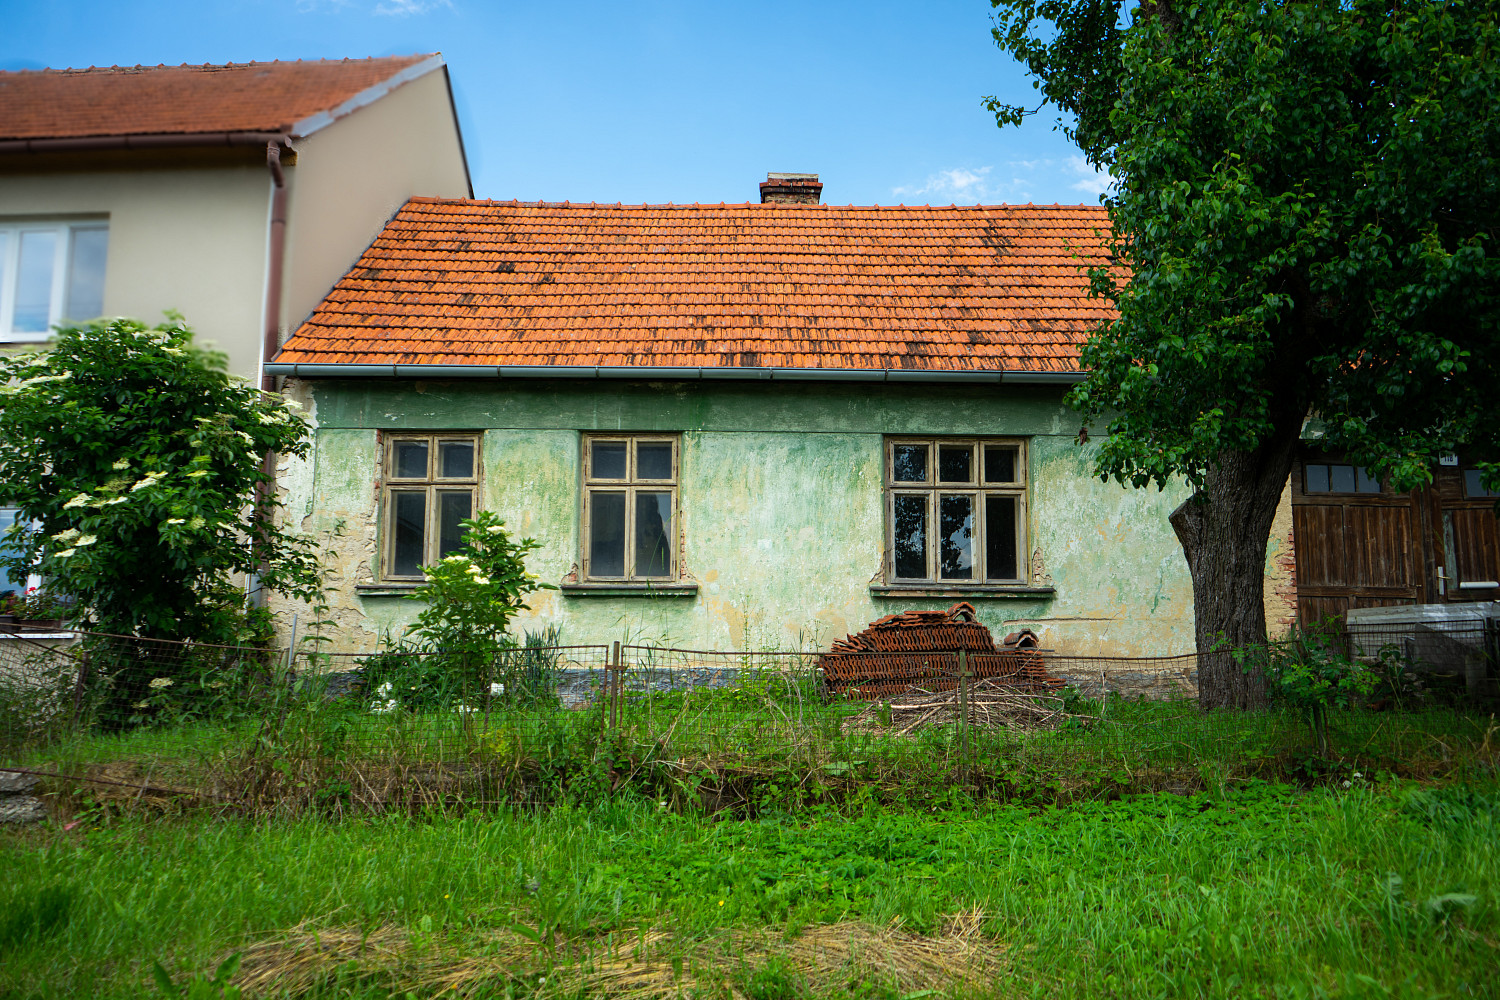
<point>295,98</point>
<point>918,289</point>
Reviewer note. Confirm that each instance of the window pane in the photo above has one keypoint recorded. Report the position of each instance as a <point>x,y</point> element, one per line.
<point>409,460</point>
<point>956,537</point>
<point>909,464</point>
<point>9,584</point>
<point>456,459</point>
<point>1000,556</point>
<point>1473,485</point>
<point>653,534</point>
<point>410,527</point>
<point>955,464</point>
<point>999,465</point>
<point>910,541</point>
<point>653,461</point>
<point>1317,478</point>
<point>1364,482</point>
<point>1341,478</point>
<point>606,534</point>
<point>86,273</point>
<point>452,508</point>
<point>607,460</point>
<point>34,282</point>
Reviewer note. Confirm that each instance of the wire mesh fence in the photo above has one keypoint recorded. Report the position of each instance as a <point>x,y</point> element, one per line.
<point>262,730</point>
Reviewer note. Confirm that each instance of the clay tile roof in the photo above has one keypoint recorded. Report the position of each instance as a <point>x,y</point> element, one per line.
<point>454,282</point>
<point>152,100</point>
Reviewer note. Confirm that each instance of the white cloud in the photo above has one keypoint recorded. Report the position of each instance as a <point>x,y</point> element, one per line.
<point>1091,179</point>
<point>960,186</point>
<point>406,8</point>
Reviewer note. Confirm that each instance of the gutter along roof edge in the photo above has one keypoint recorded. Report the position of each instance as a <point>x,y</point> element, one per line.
<point>666,374</point>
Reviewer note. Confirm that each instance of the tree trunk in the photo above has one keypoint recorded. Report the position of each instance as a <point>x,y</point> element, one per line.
<point>1224,528</point>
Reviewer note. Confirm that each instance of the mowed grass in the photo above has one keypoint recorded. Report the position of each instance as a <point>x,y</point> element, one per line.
<point>1390,890</point>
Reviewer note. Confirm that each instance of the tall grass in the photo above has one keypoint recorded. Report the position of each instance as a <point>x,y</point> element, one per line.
<point>1260,890</point>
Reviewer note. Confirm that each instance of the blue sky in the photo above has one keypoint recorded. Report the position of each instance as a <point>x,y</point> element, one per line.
<point>656,100</point>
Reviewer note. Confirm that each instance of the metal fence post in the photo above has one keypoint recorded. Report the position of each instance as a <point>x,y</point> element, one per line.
<point>614,686</point>
<point>78,685</point>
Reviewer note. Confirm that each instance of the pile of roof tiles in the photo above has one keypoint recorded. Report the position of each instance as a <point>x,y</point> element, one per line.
<point>919,650</point>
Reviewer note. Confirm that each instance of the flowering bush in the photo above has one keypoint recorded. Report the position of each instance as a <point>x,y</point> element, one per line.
<point>36,603</point>
<point>473,594</point>
<point>135,460</point>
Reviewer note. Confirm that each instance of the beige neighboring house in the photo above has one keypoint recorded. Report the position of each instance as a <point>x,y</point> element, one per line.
<point>236,195</point>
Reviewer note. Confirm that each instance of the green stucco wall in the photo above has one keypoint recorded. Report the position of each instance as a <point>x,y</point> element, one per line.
<point>780,507</point>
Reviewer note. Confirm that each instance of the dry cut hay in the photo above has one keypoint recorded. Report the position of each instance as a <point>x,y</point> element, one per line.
<point>643,965</point>
<point>992,704</point>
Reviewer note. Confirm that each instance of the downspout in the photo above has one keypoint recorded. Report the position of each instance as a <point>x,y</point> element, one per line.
<point>270,341</point>
<point>271,336</point>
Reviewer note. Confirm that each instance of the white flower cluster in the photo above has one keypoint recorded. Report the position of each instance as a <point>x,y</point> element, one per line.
<point>158,683</point>
<point>1355,777</point>
<point>151,479</point>
<point>384,703</point>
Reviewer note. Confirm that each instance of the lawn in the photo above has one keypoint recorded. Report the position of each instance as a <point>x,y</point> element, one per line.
<point>1258,889</point>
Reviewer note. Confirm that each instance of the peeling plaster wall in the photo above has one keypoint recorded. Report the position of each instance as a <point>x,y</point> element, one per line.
<point>1281,570</point>
<point>781,508</point>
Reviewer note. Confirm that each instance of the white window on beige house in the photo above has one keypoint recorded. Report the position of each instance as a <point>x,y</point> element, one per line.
<point>630,507</point>
<point>431,483</point>
<point>955,511</point>
<point>50,272</point>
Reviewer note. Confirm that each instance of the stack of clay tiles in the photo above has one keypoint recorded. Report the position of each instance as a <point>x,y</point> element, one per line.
<point>919,650</point>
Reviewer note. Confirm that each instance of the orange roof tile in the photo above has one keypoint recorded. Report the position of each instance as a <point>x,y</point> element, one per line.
<point>150,100</point>
<point>453,282</point>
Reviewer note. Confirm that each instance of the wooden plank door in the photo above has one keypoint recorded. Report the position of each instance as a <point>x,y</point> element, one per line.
<point>1467,536</point>
<point>1356,545</point>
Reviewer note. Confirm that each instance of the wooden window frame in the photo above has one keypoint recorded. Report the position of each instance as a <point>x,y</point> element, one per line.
<point>977,489</point>
<point>431,485</point>
<point>630,485</point>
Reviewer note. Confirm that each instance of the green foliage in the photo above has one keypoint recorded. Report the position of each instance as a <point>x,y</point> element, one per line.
<point>215,987</point>
<point>36,604</point>
<point>1311,673</point>
<point>37,915</point>
<point>136,461</point>
<point>1303,221</point>
<point>416,680</point>
<point>472,594</point>
<point>1300,894</point>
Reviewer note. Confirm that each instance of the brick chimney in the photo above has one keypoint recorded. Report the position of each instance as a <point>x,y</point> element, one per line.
<point>791,189</point>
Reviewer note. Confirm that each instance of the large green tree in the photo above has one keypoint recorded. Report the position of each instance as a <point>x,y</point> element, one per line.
<point>136,462</point>
<point>1304,222</point>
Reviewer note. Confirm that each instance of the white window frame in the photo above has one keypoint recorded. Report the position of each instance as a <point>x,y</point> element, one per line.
<point>629,486</point>
<point>10,256</point>
<point>976,488</point>
<point>432,485</point>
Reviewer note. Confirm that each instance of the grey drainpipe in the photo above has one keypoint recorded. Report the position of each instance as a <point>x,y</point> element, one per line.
<point>169,140</point>
<point>666,374</point>
<point>271,336</point>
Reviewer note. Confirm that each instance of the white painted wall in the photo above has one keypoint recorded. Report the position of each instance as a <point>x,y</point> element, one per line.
<point>353,175</point>
<point>190,239</point>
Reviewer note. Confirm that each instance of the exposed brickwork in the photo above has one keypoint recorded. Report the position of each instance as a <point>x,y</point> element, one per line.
<point>786,189</point>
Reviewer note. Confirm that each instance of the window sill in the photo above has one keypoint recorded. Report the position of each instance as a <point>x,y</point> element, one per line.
<point>981,591</point>
<point>629,590</point>
<point>387,589</point>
